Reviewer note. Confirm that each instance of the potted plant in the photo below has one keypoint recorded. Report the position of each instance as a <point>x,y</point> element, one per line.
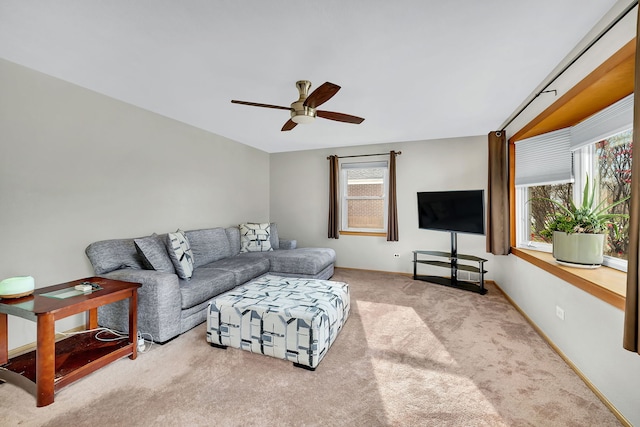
<point>578,232</point>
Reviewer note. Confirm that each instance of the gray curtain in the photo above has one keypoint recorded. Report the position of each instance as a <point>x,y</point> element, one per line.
<point>334,220</point>
<point>631,319</point>
<point>498,195</point>
<point>392,224</point>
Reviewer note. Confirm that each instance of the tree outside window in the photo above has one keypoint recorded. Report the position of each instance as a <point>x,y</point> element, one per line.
<point>541,210</point>
<point>614,156</point>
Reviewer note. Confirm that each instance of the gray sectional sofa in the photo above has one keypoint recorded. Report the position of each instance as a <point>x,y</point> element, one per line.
<point>169,305</point>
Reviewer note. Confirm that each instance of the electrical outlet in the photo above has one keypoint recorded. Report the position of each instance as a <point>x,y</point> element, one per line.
<point>396,255</point>
<point>559,312</point>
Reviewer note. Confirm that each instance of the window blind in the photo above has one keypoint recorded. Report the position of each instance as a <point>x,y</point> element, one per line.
<point>544,159</point>
<point>614,119</point>
<point>364,165</point>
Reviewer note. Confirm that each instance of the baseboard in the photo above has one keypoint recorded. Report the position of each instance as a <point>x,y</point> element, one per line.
<point>410,275</point>
<point>568,361</point>
<point>374,271</point>
<point>32,346</point>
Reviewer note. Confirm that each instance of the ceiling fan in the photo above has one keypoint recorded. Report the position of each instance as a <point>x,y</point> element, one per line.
<point>304,109</point>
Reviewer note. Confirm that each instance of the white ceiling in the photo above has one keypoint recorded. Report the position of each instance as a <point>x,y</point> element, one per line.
<point>414,69</point>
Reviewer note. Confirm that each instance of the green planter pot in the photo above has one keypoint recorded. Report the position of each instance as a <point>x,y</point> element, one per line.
<point>578,248</point>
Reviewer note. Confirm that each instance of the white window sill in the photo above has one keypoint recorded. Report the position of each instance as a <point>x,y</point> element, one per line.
<point>363,233</point>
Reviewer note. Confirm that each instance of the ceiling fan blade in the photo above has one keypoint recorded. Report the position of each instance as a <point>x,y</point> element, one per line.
<point>322,94</point>
<point>339,117</point>
<point>289,125</point>
<point>255,104</point>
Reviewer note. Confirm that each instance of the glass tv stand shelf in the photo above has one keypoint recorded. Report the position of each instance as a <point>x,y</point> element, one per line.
<point>454,266</point>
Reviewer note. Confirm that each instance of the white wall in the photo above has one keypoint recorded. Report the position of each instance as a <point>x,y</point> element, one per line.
<point>590,336</point>
<point>300,200</point>
<point>76,167</point>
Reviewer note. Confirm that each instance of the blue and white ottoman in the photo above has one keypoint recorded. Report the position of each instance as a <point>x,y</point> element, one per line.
<point>288,318</point>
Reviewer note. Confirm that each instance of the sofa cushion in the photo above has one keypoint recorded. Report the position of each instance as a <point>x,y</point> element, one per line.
<point>254,237</point>
<point>115,254</point>
<point>304,261</point>
<point>180,253</point>
<point>208,245</point>
<point>273,236</point>
<point>286,244</point>
<point>204,285</point>
<point>243,268</point>
<point>233,234</point>
<point>153,253</point>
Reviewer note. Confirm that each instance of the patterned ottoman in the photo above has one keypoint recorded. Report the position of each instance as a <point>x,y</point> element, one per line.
<point>288,318</point>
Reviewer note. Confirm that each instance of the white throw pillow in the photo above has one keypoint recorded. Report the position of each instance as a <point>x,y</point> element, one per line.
<point>255,237</point>
<point>180,253</point>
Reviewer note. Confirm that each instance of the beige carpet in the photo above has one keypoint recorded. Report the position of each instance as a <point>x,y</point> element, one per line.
<point>411,354</point>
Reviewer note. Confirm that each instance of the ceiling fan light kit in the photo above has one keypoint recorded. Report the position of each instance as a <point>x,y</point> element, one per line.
<point>304,111</point>
<point>303,117</point>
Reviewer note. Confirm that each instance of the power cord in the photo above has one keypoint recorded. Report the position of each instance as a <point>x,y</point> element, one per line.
<point>143,344</point>
<point>118,334</point>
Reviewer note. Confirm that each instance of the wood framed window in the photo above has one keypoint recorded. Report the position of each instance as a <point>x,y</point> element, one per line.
<point>363,194</point>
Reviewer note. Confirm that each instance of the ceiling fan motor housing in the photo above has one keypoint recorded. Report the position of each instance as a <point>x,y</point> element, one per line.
<point>299,112</point>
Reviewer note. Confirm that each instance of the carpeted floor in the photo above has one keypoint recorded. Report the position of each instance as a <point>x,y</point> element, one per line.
<point>411,354</point>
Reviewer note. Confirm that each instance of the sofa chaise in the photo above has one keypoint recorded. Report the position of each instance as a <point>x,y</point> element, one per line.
<point>181,272</point>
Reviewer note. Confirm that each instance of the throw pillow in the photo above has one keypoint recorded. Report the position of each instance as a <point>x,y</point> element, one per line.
<point>255,237</point>
<point>180,254</point>
<point>273,237</point>
<point>154,254</point>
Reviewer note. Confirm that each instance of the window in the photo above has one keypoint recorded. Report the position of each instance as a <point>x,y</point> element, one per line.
<point>364,196</point>
<point>613,156</point>
<point>544,170</point>
<point>538,209</point>
<point>602,150</point>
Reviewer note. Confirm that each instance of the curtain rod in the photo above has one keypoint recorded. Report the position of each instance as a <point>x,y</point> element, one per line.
<point>367,155</point>
<point>573,61</point>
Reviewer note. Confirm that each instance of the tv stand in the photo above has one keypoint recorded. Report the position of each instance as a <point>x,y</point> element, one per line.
<point>454,266</point>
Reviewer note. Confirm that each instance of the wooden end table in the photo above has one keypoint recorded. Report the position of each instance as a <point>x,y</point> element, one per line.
<point>54,365</point>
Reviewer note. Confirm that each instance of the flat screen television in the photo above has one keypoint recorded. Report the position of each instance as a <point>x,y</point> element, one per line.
<point>454,211</point>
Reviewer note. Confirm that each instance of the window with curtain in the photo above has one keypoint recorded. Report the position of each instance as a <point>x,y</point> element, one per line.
<point>556,165</point>
<point>363,193</point>
<point>544,169</point>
